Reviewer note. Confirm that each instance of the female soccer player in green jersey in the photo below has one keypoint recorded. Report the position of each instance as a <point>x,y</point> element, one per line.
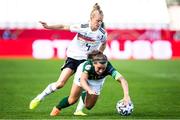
<point>90,76</point>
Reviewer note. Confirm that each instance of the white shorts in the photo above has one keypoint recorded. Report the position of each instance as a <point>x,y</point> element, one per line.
<point>95,85</point>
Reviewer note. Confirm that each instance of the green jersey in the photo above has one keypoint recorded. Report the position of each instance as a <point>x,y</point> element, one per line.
<point>92,75</point>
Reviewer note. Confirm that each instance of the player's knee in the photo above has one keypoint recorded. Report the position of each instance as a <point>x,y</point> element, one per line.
<point>60,85</point>
<point>72,100</point>
<point>89,107</point>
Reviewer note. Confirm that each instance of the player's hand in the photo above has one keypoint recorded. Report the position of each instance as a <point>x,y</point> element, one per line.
<point>126,100</point>
<point>91,92</point>
<point>44,24</point>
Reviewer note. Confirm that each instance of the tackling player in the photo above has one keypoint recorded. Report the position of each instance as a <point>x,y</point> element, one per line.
<point>90,76</point>
<point>90,36</point>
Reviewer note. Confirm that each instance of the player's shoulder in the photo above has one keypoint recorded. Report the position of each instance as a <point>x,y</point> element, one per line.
<point>87,65</point>
<point>102,30</point>
<point>110,66</point>
<point>84,25</point>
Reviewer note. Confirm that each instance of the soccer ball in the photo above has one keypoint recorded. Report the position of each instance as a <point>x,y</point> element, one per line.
<point>124,109</point>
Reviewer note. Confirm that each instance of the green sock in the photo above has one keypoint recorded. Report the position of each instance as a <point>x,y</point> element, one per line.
<point>63,103</point>
<point>83,95</point>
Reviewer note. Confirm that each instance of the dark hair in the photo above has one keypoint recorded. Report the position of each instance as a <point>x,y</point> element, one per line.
<point>97,56</point>
<point>103,25</point>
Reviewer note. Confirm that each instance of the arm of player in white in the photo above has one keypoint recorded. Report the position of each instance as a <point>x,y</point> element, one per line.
<point>55,27</point>
<point>76,28</point>
<point>102,46</point>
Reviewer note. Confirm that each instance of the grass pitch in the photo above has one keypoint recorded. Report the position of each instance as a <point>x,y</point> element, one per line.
<point>154,89</point>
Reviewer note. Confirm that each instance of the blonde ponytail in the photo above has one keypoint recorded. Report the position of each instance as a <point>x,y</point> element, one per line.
<point>96,8</point>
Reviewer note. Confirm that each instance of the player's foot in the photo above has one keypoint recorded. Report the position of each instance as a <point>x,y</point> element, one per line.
<point>34,103</point>
<point>55,111</point>
<point>79,113</point>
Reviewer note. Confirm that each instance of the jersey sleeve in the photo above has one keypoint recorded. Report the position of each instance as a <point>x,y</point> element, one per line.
<point>113,72</point>
<point>87,67</point>
<point>103,40</point>
<point>103,36</point>
<point>75,28</point>
<point>78,28</point>
<point>116,75</point>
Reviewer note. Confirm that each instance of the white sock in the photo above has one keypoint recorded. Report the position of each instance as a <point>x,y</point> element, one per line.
<point>48,90</point>
<point>80,105</point>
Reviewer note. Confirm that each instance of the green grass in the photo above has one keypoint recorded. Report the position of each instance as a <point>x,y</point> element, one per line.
<point>154,89</point>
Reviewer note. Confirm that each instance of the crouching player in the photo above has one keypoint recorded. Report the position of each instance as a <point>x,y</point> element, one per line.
<point>90,76</point>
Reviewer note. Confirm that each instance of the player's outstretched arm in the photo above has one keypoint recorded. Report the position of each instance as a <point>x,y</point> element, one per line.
<point>125,88</point>
<point>55,27</point>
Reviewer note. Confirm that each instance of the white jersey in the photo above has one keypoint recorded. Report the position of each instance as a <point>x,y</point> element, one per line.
<point>85,41</point>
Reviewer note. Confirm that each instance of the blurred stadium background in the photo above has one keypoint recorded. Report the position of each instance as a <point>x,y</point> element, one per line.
<point>143,44</point>
<point>138,29</point>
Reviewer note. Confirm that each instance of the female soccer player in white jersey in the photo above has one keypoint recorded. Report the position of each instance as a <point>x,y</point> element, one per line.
<point>90,76</point>
<point>89,37</point>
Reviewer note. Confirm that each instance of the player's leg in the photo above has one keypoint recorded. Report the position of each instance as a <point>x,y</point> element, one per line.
<point>67,101</point>
<point>80,106</point>
<point>68,69</point>
<point>64,76</point>
<point>90,101</point>
<point>86,100</point>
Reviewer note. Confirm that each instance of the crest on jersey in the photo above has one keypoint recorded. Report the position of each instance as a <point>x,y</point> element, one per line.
<point>88,67</point>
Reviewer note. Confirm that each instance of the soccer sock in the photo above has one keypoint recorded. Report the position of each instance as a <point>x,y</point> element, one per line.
<point>63,103</point>
<point>81,105</point>
<point>48,90</point>
<point>83,95</point>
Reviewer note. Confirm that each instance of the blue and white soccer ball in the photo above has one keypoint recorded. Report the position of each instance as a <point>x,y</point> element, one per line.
<point>124,109</point>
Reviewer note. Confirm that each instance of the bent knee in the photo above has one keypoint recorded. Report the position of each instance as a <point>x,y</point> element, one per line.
<point>60,85</point>
<point>89,107</point>
<point>72,100</point>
